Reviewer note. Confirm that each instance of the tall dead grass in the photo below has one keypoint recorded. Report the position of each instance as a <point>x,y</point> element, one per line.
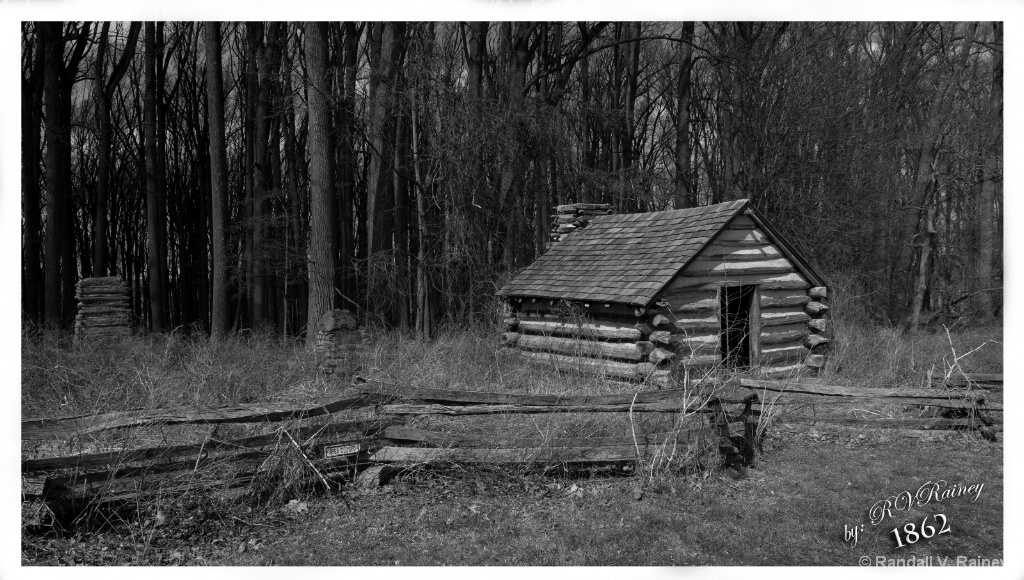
<point>868,351</point>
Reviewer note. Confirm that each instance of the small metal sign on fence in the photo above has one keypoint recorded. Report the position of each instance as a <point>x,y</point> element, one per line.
<point>337,450</point>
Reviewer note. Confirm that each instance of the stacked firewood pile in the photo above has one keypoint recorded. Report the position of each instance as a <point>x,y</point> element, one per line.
<point>338,340</point>
<point>103,309</point>
<point>575,215</point>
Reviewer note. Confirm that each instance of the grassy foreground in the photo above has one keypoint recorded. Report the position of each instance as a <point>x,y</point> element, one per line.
<point>810,484</point>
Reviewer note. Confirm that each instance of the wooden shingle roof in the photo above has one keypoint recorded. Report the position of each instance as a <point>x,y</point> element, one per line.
<point>624,258</point>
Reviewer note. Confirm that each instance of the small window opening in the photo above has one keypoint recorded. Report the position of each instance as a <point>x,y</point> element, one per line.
<point>735,304</point>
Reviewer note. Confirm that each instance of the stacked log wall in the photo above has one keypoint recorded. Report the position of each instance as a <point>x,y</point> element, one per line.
<point>599,338</point>
<point>741,254</point>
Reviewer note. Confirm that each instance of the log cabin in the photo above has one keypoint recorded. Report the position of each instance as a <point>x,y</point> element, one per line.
<point>670,295</point>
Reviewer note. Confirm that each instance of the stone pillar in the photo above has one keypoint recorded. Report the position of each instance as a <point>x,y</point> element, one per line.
<point>339,340</point>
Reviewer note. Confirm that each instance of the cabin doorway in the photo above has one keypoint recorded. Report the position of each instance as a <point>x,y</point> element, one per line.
<point>736,303</point>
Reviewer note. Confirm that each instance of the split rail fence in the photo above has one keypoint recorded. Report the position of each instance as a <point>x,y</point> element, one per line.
<point>334,451</point>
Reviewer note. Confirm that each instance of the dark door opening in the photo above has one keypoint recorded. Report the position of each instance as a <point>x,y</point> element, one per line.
<point>735,302</point>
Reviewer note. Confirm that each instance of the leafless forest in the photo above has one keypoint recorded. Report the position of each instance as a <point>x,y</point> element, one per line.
<point>247,175</point>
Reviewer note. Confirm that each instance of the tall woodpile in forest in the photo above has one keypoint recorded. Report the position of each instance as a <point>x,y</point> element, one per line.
<point>102,309</point>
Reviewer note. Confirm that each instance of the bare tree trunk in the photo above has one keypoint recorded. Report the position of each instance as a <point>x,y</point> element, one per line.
<point>402,220</point>
<point>684,188</point>
<point>991,187</point>
<point>348,161</point>
<point>380,181</point>
<point>218,181</point>
<point>927,241</point>
<point>31,120</point>
<point>157,283</point>
<point>322,250</point>
<point>54,46</point>
<point>424,306</point>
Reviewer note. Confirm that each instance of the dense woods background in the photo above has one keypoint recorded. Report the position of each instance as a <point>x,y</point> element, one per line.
<point>248,175</point>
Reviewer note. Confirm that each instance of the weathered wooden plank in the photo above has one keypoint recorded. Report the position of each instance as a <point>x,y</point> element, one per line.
<point>592,308</point>
<point>698,360</point>
<point>798,399</point>
<point>631,351</point>
<point>526,455</point>
<point>755,236</point>
<point>979,380</point>
<point>511,323</point>
<point>731,252</point>
<point>82,484</point>
<point>713,267</point>
<point>818,292</point>
<point>66,427</point>
<point>698,344</point>
<point>458,410</point>
<point>783,298</point>
<point>816,387</point>
<point>584,364</point>
<point>695,324</point>
<point>782,316</point>
<point>784,352</point>
<point>784,333</point>
<point>792,281</point>
<point>585,330</point>
<point>690,302</point>
<point>400,433</point>
<point>914,422</point>
<point>344,429</point>
<point>741,222</point>
<point>783,372</point>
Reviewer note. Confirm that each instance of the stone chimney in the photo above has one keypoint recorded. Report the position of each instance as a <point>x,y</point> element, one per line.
<point>570,217</point>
